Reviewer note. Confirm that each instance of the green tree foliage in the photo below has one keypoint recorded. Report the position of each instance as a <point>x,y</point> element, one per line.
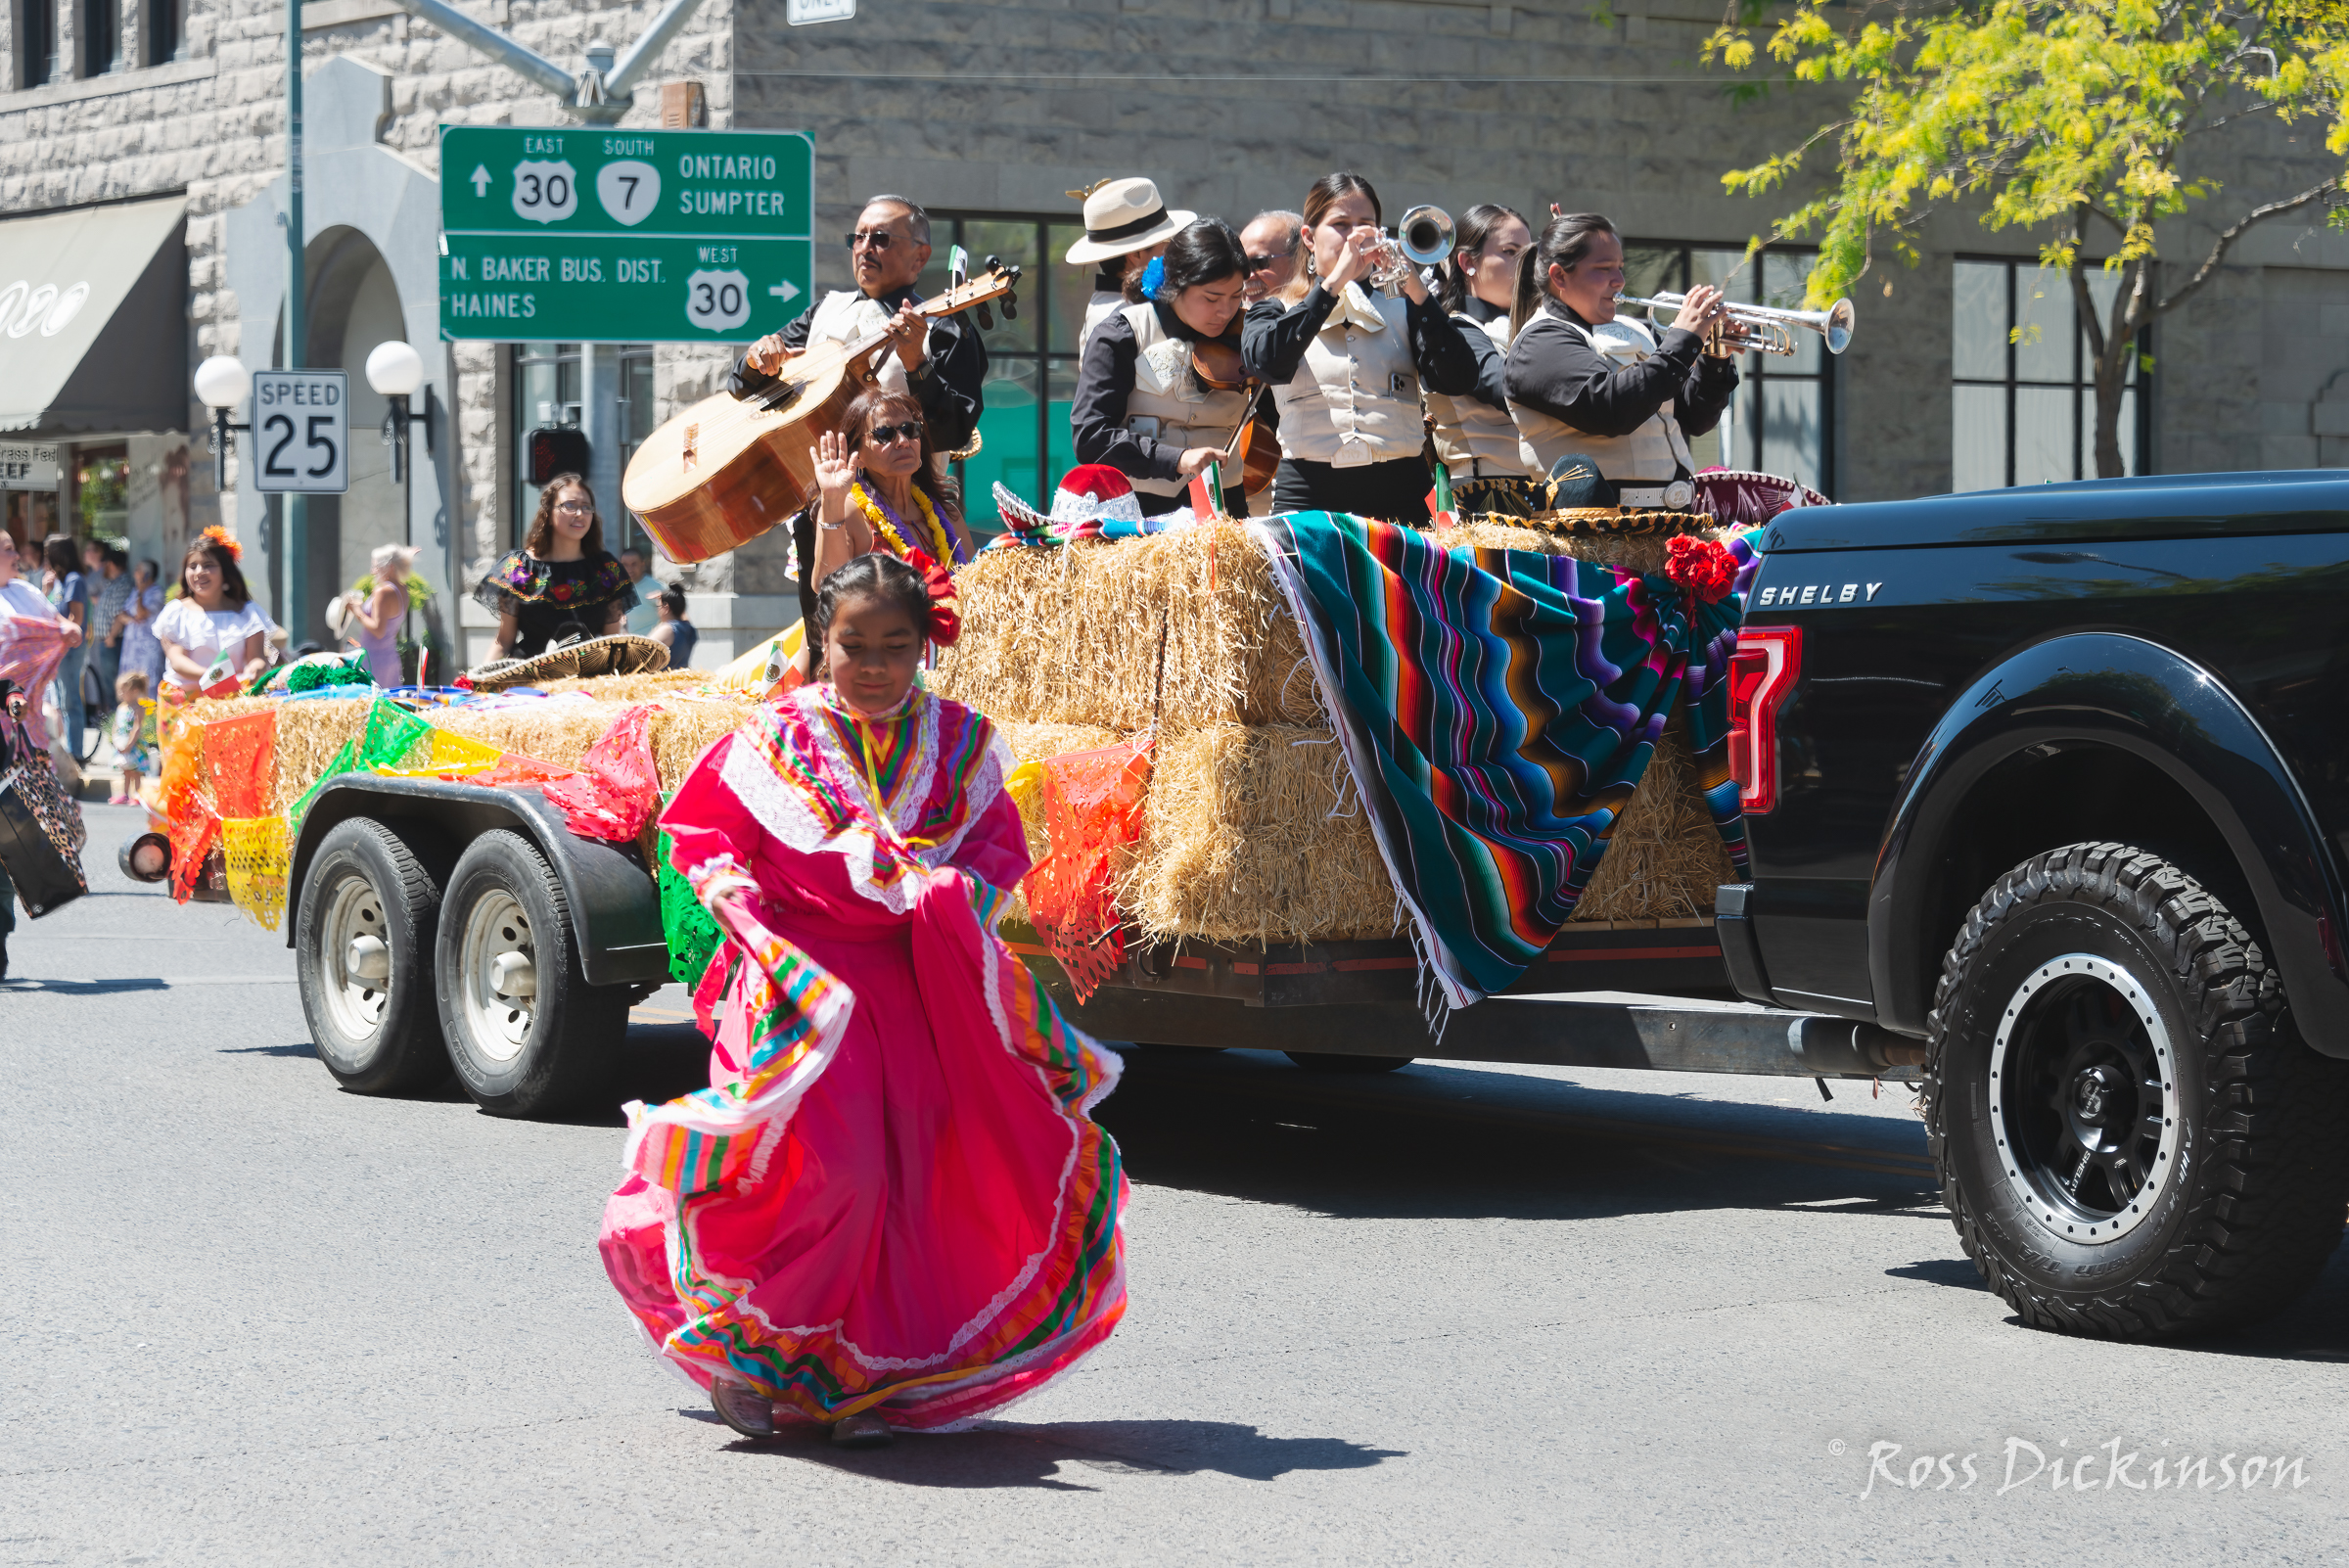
<point>2088,120</point>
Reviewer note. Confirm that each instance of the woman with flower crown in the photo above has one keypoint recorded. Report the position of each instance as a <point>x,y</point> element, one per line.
<point>891,1209</point>
<point>211,626</point>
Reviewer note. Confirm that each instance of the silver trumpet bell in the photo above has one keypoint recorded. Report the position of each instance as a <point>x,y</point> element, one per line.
<point>1763,329</point>
<point>1423,239</point>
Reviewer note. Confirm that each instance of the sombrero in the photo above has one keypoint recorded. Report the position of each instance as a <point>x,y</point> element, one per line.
<point>1090,493</point>
<point>597,656</point>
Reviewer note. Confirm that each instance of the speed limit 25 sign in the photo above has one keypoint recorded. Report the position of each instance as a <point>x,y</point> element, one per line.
<point>301,431</point>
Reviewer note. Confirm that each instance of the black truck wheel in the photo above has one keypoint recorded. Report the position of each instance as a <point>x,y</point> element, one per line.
<point>363,956</point>
<point>2132,1139</point>
<point>527,1033</point>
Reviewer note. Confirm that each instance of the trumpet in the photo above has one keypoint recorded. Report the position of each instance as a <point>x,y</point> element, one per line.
<point>1758,327</point>
<point>1421,240</point>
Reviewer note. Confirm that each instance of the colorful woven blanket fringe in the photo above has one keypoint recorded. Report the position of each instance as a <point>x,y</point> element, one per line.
<point>1497,708</point>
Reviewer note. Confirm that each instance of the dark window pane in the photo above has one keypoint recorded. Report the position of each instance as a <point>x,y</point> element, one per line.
<point>1007,441</point>
<point>1977,437</point>
<point>1978,327</point>
<point>1070,287</point>
<point>2044,332</point>
<point>1651,269</point>
<point>1793,428</point>
<point>1060,452</point>
<point>1015,243</point>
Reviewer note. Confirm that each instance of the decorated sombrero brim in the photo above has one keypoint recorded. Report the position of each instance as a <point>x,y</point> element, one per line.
<point>596,656</point>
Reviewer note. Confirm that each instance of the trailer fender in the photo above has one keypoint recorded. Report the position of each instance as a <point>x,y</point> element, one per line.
<point>614,906</point>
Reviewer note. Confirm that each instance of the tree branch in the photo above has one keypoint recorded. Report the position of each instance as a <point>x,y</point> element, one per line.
<point>2228,236</point>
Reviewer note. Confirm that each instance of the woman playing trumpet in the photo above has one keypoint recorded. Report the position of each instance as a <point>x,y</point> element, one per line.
<point>1347,366</point>
<point>1583,382</point>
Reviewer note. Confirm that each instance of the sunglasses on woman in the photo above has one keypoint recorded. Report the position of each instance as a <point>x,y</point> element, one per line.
<point>889,435</point>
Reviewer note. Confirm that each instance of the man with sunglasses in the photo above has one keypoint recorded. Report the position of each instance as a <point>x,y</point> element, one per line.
<point>941,362</point>
<point>1271,241</point>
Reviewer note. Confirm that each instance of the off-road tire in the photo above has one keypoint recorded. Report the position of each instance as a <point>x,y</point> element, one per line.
<point>565,1045</point>
<point>364,876</point>
<point>2252,1207</point>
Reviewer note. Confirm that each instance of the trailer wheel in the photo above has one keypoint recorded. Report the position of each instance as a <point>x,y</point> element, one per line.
<point>525,1031</point>
<point>2132,1139</point>
<point>1340,1062</point>
<point>363,957</point>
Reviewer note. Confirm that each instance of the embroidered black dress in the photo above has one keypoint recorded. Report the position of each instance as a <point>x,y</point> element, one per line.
<point>550,600</point>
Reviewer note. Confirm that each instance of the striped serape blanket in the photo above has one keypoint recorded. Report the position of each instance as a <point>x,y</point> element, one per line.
<point>1497,708</point>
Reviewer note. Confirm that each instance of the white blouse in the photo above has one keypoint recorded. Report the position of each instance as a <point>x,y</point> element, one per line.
<point>203,633</point>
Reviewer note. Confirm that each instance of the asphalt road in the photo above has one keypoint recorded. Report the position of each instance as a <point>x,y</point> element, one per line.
<point>1449,1314</point>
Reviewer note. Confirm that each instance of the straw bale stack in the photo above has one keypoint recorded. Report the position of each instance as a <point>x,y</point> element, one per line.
<point>1072,636</point>
<point>1252,831</point>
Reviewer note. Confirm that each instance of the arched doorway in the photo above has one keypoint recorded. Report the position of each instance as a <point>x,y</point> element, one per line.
<point>353,305</point>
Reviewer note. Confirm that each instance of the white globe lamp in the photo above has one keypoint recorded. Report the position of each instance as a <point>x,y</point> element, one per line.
<point>222,380</point>
<point>395,369</point>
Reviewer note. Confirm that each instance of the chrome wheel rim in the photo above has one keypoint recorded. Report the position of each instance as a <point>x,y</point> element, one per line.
<point>2083,1100</point>
<point>497,1023</point>
<point>354,1003</point>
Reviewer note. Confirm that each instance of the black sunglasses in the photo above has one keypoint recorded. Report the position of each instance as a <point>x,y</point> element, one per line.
<point>873,239</point>
<point>1257,263</point>
<point>886,434</point>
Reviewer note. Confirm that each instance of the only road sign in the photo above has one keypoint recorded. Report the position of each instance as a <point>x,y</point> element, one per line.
<point>595,288</point>
<point>301,431</point>
<point>597,180</point>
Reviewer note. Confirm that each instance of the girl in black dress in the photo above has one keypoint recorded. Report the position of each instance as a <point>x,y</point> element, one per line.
<point>562,582</point>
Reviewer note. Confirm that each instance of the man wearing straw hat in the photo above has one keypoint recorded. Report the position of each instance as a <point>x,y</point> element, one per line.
<point>944,367</point>
<point>1125,223</point>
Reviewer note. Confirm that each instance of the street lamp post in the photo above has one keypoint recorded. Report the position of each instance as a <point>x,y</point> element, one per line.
<point>222,382</point>
<point>394,370</point>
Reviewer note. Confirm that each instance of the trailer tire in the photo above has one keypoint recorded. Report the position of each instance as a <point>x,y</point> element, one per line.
<point>2132,1141</point>
<point>1344,1062</point>
<point>527,1033</point>
<point>375,1033</point>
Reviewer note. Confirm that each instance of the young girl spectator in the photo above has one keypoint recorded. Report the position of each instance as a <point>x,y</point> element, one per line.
<point>133,733</point>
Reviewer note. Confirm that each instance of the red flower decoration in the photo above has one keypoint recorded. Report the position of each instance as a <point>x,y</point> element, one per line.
<point>945,608</point>
<point>1702,567</point>
<point>562,590</point>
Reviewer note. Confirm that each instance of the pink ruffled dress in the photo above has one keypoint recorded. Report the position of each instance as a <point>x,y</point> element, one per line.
<point>891,1198</point>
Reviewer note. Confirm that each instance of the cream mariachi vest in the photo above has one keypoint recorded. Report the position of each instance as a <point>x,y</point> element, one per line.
<point>1654,454</point>
<point>1104,303</point>
<point>1355,399</point>
<point>849,316</point>
<point>1169,404</point>
<point>1476,439</point>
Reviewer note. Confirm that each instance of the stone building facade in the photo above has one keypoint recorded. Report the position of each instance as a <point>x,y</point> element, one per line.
<point>990,112</point>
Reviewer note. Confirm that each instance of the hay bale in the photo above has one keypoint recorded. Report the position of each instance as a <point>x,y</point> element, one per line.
<point>1252,833</point>
<point>1665,857</point>
<point>562,729</point>
<point>1071,635</point>
<point>633,688</point>
<point>1643,552</point>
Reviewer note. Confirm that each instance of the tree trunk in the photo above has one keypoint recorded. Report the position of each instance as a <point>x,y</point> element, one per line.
<point>2112,379</point>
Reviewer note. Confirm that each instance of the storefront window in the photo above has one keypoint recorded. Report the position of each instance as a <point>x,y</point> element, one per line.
<point>2023,404</point>
<point>1782,419</point>
<point>102,492</point>
<point>1032,360</point>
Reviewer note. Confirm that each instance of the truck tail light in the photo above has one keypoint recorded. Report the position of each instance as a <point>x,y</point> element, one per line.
<point>1761,673</point>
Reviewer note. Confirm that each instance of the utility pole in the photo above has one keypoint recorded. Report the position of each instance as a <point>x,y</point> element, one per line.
<point>294,608</point>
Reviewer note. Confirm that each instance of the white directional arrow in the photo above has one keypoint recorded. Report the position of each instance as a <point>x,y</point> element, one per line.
<point>480,180</point>
<point>786,291</point>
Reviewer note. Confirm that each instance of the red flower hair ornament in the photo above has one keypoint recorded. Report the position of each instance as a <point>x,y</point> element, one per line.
<point>946,606</point>
<point>1704,567</point>
<point>220,536</point>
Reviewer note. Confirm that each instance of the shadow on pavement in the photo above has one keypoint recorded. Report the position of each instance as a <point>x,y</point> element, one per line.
<point>304,1050</point>
<point>1003,1455</point>
<point>1411,1146</point>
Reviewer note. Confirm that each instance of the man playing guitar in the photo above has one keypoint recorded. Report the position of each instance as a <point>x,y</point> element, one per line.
<point>944,367</point>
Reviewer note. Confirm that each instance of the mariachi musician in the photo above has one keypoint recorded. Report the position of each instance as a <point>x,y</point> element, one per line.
<point>1126,227</point>
<point>1347,366</point>
<point>1581,381</point>
<point>944,367</point>
<point>1150,401</point>
<point>1476,435</point>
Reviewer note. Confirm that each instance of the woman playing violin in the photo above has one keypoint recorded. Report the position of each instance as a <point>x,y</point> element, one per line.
<point>1160,393</point>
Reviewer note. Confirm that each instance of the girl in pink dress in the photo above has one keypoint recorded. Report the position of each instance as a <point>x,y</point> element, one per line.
<point>890,1209</point>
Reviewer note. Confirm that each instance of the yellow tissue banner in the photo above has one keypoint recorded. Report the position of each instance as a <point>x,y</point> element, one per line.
<point>760,668</point>
<point>444,754</point>
<point>259,855</point>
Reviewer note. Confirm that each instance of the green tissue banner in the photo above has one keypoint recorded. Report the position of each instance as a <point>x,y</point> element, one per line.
<point>686,926</point>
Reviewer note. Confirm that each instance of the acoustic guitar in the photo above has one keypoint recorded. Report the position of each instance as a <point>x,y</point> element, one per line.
<point>726,469</point>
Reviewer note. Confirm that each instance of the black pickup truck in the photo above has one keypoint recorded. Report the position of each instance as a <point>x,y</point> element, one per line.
<point>2056,780</point>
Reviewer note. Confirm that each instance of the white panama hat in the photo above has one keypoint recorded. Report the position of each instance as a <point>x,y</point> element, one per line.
<point>1122,216</point>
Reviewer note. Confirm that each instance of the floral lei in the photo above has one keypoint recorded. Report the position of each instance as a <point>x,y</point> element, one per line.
<point>941,542</point>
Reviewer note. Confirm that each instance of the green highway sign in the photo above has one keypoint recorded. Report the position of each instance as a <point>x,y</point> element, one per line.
<point>602,288</point>
<point>590,234</point>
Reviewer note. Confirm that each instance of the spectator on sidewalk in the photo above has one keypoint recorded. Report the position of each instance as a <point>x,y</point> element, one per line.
<point>672,631</point>
<point>136,623</point>
<point>69,597</point>
<point>133,734</point>
<point>106,571</point>
<point>647,614</point>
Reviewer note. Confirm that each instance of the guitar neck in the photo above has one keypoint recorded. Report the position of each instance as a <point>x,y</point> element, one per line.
<point>945,306</point>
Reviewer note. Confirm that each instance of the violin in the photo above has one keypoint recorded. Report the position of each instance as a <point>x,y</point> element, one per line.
<point>1254,445</point>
